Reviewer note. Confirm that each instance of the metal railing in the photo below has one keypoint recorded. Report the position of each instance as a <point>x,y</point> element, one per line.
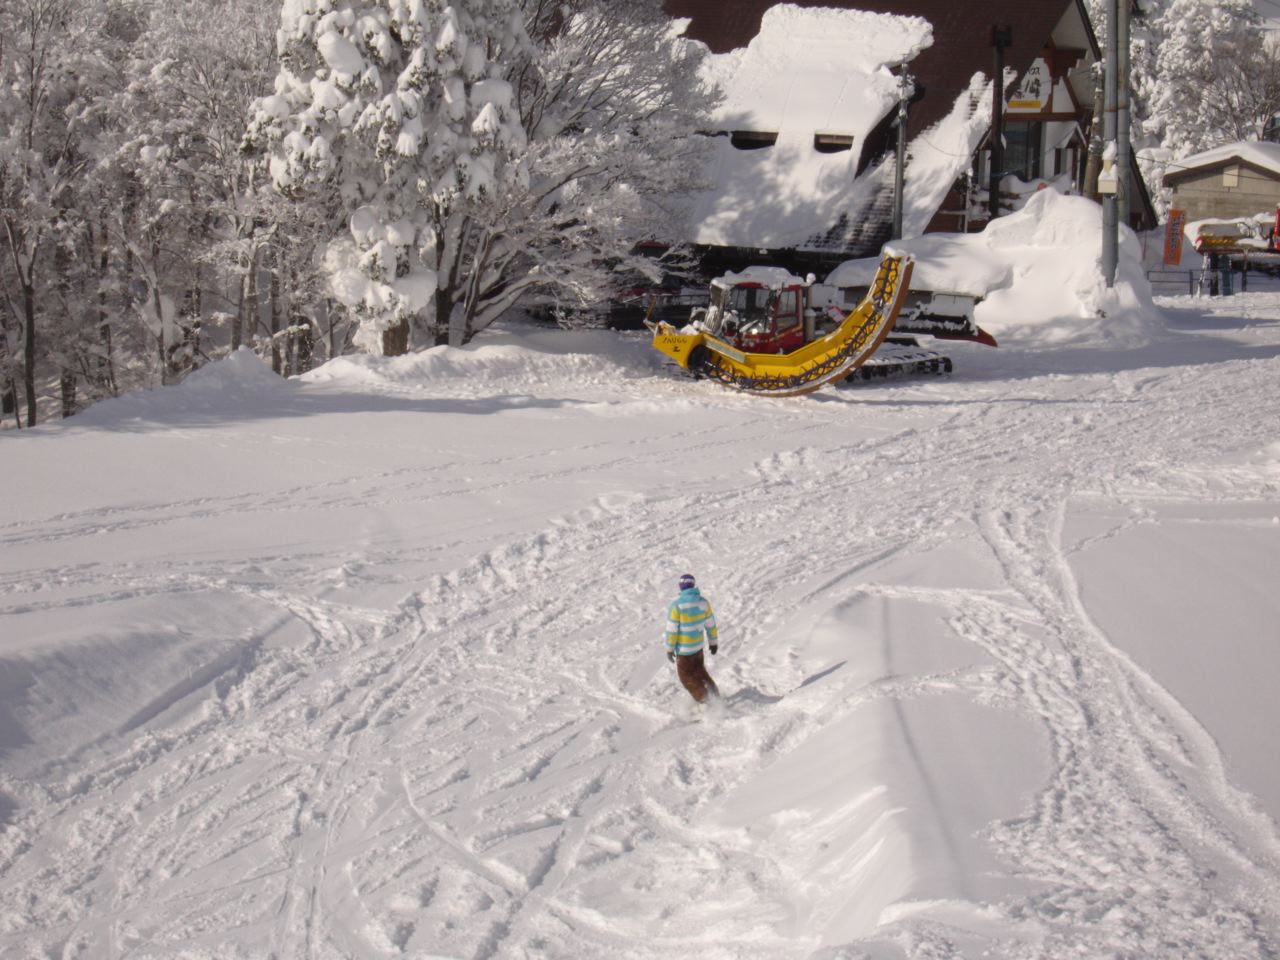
<point>1173,282</point>
<point>1207,282</point>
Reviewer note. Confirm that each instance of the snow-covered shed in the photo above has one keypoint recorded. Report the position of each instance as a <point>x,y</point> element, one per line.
<point>803,158</point>
<point>1234,180</point>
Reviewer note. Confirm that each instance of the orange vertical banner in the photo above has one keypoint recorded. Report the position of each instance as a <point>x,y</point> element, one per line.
<point>1173,237</point>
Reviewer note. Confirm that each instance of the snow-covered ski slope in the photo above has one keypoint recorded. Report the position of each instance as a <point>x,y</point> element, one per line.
<point>370,665</point>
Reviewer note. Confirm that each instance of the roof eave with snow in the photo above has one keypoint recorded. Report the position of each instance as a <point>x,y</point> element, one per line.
<point>1264,156</point>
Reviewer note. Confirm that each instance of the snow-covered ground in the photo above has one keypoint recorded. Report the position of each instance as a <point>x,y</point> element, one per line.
<point>369,664</point>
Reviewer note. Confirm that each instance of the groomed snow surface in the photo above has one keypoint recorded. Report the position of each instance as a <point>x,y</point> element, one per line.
<point>369,664</point>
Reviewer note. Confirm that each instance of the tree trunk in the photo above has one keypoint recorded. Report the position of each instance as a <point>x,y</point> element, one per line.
<point>302,339</point>
<point>395,339</point>
<point>251,297</point>
<point>324,317</point>
<point>67,390</point>
<point>277,361</point>
<point>443,311</point>
<point>237,324</point>
<point>8,389</point>
<point>306,347</point>
<point>29,348</point>
<point>106,363</point>
<point>71,345</point>
<point>161,344</point>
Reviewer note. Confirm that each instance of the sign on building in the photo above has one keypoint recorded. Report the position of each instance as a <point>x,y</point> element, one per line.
<point>1035,91</point>
<point>1173,237</point>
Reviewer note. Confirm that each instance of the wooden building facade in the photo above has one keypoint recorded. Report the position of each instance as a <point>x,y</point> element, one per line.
<point>1047,49</point>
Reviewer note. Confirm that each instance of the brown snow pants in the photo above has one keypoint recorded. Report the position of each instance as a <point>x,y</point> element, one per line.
<point>693,674</point>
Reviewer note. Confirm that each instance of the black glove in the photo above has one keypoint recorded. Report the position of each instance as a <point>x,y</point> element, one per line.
<point>714,648</point>
<point>671,655</point>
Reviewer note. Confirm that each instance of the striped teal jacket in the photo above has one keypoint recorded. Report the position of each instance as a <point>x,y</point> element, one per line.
<point>689,620</point>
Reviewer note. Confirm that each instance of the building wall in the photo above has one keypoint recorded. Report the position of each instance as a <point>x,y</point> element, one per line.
<point>1063,146</point>
<point>1216,194</point>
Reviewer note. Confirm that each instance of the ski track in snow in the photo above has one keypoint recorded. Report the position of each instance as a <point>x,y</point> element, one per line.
<point>474,772</point>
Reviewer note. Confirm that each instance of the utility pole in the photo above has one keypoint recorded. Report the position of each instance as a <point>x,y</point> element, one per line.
<point>905,89</point>
<point>1110,221</point>
<point>1123,148</point>
<point>1001,37</point>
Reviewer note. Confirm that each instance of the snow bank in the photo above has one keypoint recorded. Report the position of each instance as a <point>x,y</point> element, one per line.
<point>243,373</point>
<point>505,357</point>
<point>232,386</point>
<point>509,358</point>
<point>1039,271</point>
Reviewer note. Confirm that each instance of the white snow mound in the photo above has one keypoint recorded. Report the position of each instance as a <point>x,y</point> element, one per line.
<point>239,382</point>
<point>505,358</point>
<point>1039,272</point>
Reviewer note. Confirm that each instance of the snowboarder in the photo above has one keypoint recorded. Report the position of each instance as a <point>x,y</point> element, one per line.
<point>689,622</point>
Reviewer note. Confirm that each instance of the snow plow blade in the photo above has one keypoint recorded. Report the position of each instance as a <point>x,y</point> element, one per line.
<point>826,360</point>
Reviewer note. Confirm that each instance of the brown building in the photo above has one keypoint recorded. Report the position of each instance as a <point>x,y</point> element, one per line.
<point>1227,182</point>
<point>803,172</point>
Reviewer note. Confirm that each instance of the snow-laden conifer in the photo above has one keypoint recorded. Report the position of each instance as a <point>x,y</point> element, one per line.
<point>401,109</point>
<point>1203,73</point>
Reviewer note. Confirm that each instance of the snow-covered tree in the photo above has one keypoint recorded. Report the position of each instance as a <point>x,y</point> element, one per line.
<point>122,186</point>
<point>50,73</point>
<point>612,108</point>
<point>1202,74</point>
<point>193,221</point>
<point>401,108</point>
<point>615,112</point>
<point>1191,87</point>
<point>1245,89</point>
<point>481,149</point>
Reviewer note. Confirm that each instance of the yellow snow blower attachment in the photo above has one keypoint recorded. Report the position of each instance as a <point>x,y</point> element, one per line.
<point>827,359</point>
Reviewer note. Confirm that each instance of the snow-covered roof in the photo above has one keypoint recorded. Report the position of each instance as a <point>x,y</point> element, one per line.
<point>808,72</point>
<point>817,69</point>
<point>798,73</point>
<point>775,278</point>
<point>1265,156</point>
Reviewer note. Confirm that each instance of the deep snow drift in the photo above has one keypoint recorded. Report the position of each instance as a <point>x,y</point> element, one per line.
<point>369,664</point>
<point>1038,273</point>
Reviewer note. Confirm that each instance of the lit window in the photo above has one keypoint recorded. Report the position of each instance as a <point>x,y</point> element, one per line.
<point>1231,177</point>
